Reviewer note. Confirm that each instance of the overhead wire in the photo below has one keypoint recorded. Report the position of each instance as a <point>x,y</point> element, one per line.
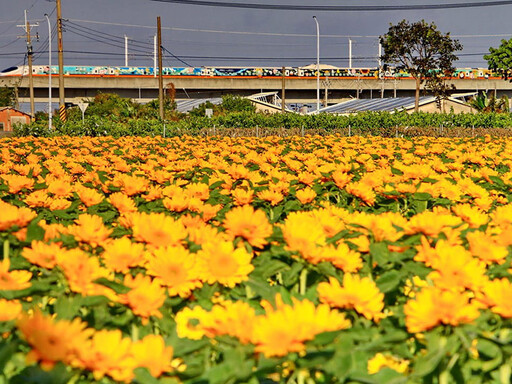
<point>338,8</point>
<point>103,35</point>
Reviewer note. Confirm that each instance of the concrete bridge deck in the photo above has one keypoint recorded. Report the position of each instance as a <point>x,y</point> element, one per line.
<point>144,89</point>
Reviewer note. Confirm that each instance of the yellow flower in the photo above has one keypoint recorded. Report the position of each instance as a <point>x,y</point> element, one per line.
<point>189,323</point>
<point>222,263</point>
<point>122,203</point>
<point>12,215</point>
<point>145,297</point>
<point>122,254</point>
<point>379,361</point>
<point>108,353</point>
<point>472,215</point>
<point>497,295</point>
<point>9,309</point>
<point>306,195</point>
<point>455,268</point>
<point>175,268</point>
<point>88,196</point>
<point>285,328</point>
<point>242,196</point>
<point>486,248</point>
<point>13,280</point>
<point>42,254</point>
<point>158,229</point>
<point>363,191</point>
<point>90,229</point>
<point>273,196</point>
<point>433,306</point>
<point>248,223</point>
<point>52,341</point>
<point>151,353</point>
<point>342,257</point>
<point>303,234</point>
<point>358,293</point>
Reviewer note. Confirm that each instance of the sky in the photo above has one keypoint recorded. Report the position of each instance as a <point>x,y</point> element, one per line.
<point>197,36</point>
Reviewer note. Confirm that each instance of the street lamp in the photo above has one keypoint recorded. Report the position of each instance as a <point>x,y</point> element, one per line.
<point>49,72</point>
<point>317,65</point>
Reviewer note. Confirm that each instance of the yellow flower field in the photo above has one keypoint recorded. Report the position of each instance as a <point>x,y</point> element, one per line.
<point>255,260</point>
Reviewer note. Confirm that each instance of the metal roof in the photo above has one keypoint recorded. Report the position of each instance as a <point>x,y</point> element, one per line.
<point>188,104</point>
<point>386,104</point>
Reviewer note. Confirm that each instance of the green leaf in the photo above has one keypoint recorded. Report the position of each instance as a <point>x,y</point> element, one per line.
<point>143,376</point>
<point>116,287</point>
<point>67,307</point>
<point>389,281</point>
<point>7,349</point>
<point>380,253</point>
<point>35,375</point>
<point>34,232</point>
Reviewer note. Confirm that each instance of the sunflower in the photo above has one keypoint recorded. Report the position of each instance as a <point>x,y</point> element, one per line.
<point>52,341</point>
<point>176,268</point>
<point>152,353</point>
<point>358,293</point>
<point>433,306</point>
<point>145,297</point>
<point>158,229</point>
<point>122,254</point>
<point>248,223</point>
<point>13,280</point>
<point>107,353</point>
<point>222,263</point>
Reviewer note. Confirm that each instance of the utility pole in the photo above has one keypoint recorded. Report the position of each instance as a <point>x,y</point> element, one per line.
<point>125,50</point>
<point>26,27</point>
<point>350,53</point>
<point>154,56</point>
<point>160,75</point>
<point>62,100</point>
<point>283,90</point>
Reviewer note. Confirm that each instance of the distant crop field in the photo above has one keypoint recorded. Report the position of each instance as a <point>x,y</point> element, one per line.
<point>297,260</point>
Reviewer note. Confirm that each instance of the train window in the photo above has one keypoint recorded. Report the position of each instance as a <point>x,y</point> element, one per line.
<point>2,127</point>
<point>9,69</point>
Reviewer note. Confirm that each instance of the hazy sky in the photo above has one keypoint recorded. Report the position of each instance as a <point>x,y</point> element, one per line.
<point>93,35</point>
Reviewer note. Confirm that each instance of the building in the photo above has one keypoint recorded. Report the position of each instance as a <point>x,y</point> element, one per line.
<point>10,116</point>
<point>399,104</point>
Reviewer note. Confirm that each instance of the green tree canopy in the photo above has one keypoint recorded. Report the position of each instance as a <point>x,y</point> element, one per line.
<point>423,51</point>
<point>6,97</point>
<point>500,59</point>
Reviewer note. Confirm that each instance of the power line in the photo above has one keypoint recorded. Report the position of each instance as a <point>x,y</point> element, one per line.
<point>177,29</point>
<point>144,44</point>
<point>338,8</point>
<point>176,57</point>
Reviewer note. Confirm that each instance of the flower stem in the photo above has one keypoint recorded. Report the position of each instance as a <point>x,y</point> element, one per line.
<point>303,281</point>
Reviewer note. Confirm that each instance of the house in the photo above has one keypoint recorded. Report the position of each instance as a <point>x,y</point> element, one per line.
<point>391,104</point>
<point>10,116</point>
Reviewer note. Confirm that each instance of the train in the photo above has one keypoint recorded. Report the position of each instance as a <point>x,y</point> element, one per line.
<point>239,72</point>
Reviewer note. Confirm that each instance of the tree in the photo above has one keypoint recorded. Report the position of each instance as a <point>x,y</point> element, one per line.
<point>7,97</point>
<point>423,51</point>
<point>500,59</point>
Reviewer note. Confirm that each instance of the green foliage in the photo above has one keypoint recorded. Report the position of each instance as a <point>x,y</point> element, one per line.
<point>423,51</point>
<point>7,97</point>
<point>232,103</point>
<point>500,59</point>
<point>200,111</point>
<point>483,103</point>
<point>366,123</point>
